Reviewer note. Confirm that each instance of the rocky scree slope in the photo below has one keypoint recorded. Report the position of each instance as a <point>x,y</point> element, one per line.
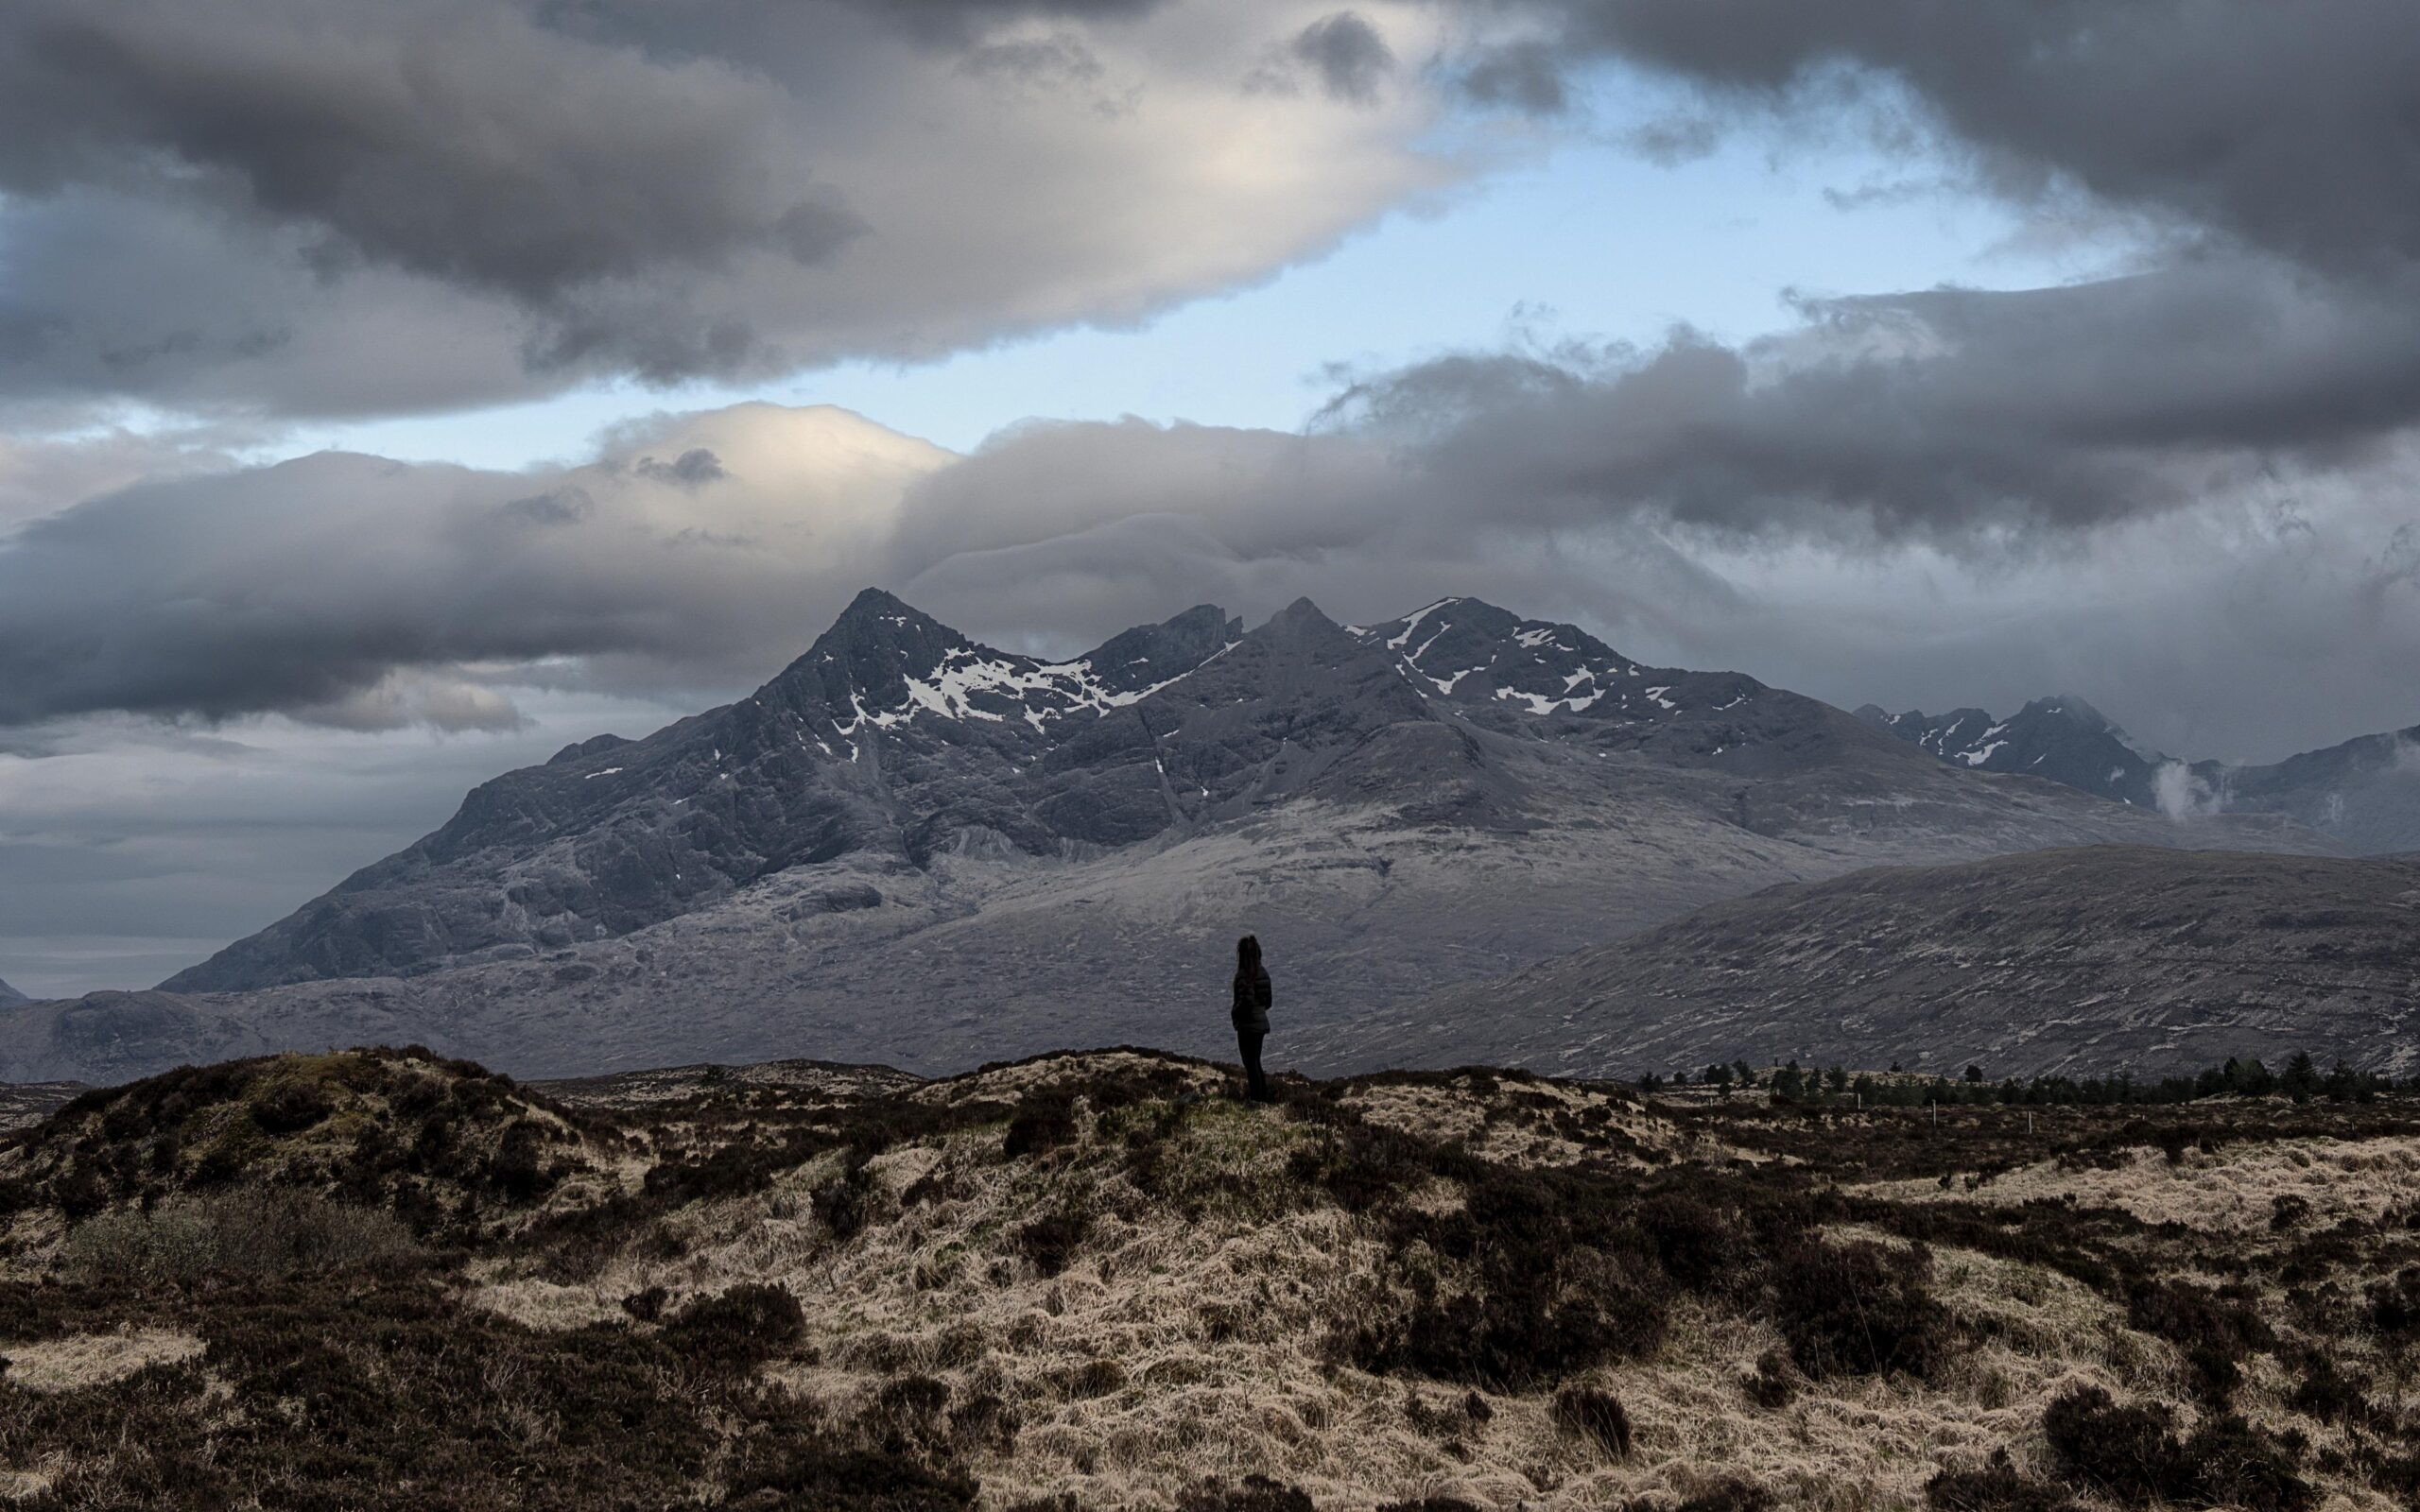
<point>913,849</point>
<point>2108,957</point>
<point>2364,793</point>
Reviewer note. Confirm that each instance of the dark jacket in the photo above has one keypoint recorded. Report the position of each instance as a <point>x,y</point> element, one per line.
<point>1252,998</point>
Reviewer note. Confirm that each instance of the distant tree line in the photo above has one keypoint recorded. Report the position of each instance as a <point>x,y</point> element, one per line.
<point>2301,1081</point>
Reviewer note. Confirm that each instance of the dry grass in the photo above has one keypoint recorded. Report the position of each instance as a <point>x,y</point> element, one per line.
<point>2233,1189</point>
<point>1183,1319</point>
<point>82,1361</point>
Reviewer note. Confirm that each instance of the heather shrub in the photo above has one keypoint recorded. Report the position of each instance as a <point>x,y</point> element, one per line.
<point>2132,1454</point>
<point>290,1104</point>
<point>1051,1240</point>
<point>2127,1452</point>
<point>517,1170</point>
<point>845,1203</point>
<point>1697,1246</point>
<point>1859,1308</point>
<point>1257,1493</point>
<point>738,1327</point>
<point>238,1235</point>
<point>1596,1415</point>
<point>1997,1488</point>
<point>1043,1121</point>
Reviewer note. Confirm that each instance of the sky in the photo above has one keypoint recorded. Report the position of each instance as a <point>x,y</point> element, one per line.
<point>390,395</point>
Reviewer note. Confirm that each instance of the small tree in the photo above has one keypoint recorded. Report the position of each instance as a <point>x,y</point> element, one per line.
<point>2301,1079</point>
<point>1974,1075</point>
<point>2344,1083</point>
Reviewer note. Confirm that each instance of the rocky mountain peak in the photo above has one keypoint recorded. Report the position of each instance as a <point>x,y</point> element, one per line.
<point>1148,655</point>
<point>896,740</point>
<point>582,749</point>
<point>1478,655</point>
<point>2062,738</point>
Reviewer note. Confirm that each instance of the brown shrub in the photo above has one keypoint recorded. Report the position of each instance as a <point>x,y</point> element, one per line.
<point>240,1234</point>
<point>1997,1488</point>
<point>2193,1316</point>
<point>1257,1493</point>
<point>1733,1495</point>
<point>1594,1413</point>
<point>1051,1240</point>
<point>1043,1121</point>
<point>290,1104</point>
<point>1859,1308</point>
<point>2132,1454</point>
<point>844,1204</point>
<point>737,1329</point>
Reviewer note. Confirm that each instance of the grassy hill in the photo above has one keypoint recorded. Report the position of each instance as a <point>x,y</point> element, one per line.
<point>383,1280</point>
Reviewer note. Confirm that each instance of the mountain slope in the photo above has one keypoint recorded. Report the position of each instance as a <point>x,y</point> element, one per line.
<point>10,995</point>
<point>2101,958</point>
<point>893,735</point>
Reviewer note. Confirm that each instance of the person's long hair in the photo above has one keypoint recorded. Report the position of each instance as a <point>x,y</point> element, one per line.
<point>1248,955</point>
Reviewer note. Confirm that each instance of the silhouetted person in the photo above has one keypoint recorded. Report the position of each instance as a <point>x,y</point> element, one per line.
<point>1251,1012</point>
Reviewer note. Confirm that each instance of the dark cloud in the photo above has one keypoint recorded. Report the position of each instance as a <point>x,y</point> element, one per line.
<point>226,203</point>
<point>1346,52</point>
<point>2266,158</point>
<point>696,466</point>
<point>476,146</point>
<point>1956,415</point>
<point>1526,76</point>
<point>355,592</point>
<point>2291,129</point>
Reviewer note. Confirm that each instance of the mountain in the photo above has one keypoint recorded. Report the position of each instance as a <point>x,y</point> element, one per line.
<point>2364,793</point>
<point>2064,740</point>
<point>10,995</point>
<point>893,734</point>
<point>2085,960</point>
<point>913,848</point>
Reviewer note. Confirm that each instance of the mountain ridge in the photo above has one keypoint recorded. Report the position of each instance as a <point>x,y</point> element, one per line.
<point>2364,792</point>
<point>912,849</point>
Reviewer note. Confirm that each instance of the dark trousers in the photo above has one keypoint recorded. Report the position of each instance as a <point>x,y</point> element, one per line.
<point>1248,1041</point>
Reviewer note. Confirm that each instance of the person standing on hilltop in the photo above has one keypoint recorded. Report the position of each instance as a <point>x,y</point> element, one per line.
<point>1250,1013</point>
